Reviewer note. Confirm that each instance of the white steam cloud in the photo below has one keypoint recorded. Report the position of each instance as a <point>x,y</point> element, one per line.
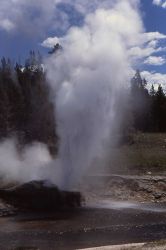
<point>87,78</point>
<point>30,164</point>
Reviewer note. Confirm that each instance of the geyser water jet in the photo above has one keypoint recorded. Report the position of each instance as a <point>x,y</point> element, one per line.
<point>87,77</point>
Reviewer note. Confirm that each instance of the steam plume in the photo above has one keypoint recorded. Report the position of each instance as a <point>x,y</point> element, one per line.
<point>31,164</point>
<point>87,77</point>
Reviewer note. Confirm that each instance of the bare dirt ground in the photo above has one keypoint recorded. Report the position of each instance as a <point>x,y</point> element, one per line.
<point>145,188</point>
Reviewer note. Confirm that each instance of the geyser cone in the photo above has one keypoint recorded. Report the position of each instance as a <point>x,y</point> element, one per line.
<point>40,195</point>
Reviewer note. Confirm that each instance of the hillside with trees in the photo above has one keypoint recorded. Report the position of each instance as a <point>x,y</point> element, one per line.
<point>148,106</point>
<point>27,112</point>
<point>25,107</point>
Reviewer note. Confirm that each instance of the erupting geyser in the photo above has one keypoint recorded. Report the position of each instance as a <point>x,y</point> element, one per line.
<point>88,78</point>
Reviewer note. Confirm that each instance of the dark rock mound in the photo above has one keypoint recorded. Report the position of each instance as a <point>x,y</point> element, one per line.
<point>40,196</point>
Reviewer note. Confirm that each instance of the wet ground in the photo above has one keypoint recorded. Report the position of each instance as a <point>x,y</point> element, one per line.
<point>107,218</point>
<point>97,225</point>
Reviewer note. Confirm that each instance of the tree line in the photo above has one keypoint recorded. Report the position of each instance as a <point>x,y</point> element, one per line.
<point>27,112</point>
<point>148,106</point>
<point>25,107</point>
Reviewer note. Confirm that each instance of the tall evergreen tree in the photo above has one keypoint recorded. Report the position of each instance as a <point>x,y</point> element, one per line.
<point>160,110</point>
<point>25,106</point>
<point>140,102</point>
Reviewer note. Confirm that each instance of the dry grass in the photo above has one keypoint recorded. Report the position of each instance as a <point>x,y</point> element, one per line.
<point>146,153</point>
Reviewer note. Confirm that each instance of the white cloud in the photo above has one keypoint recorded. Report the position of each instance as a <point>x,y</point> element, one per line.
<point>157,2</point>
<point>26,16</point>
<point>50,42</point>
<point>7,25</point>
<point>161,3</point>
<point>147,44</point>
<point>141,52</point>
<point>87,6</point>
<point>154,78</point>
<point>164,5</point>
<point>155,60</point>
<point>149,36</point>
<point>34,17</point>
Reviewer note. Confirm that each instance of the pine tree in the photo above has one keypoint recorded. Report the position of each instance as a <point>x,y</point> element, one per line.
<point>25,107</point>
<point>140,102</point>
<point>160,110</point>
<point>152,91</point>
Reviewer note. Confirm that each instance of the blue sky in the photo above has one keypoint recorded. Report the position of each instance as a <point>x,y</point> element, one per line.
<point>18,42</point>
<point>153,17</point>
<point>24,26</point>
